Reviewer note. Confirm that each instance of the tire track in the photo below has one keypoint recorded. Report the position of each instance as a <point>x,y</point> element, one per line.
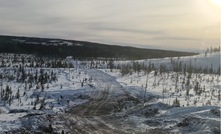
<point>86,118</point>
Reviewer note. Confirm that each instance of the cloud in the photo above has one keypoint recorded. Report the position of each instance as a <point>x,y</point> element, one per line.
<point>125,22</point>
<point>176,38</point>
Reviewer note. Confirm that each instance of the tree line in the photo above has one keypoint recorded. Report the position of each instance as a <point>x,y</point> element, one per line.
<point>8,44</point>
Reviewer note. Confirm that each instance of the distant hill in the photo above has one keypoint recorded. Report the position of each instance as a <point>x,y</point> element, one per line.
<point>79,49</point>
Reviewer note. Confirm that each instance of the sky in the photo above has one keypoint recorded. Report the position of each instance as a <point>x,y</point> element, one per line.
<point>190,25</point>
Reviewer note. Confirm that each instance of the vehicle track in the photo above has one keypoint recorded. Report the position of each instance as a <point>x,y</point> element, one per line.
<point>90,118</point>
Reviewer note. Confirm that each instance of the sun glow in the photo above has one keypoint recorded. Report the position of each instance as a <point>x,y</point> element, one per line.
<point>217,2</point>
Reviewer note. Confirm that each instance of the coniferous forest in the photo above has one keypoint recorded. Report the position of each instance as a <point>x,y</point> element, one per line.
<point>79,49</point>
<point>65,86</point>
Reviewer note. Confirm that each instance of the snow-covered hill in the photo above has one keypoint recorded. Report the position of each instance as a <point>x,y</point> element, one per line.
<point>199,61</point>
<point>85,99</point>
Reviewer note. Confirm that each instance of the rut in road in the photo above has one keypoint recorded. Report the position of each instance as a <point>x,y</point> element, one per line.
<point>106,87</point>
<point>92,117</point>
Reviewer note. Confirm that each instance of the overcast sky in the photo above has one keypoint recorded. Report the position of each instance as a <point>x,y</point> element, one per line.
<point>167,24</point>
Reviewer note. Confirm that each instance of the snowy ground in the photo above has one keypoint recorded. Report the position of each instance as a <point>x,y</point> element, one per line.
<point>197,61</point>
<point>108,102</point>
<point>163,81</point>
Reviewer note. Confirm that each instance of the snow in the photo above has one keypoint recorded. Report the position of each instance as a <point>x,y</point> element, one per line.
<point>68,91</point>
<point>197,61</point>
<point>11,117</point>
<point>50,42</point>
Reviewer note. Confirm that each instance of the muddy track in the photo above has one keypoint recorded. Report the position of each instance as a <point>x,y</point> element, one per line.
<point>106,86</point>
<point>94,105</point>
<point>76,124</point>
<point>102,101</point>
<point>92,117</point>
